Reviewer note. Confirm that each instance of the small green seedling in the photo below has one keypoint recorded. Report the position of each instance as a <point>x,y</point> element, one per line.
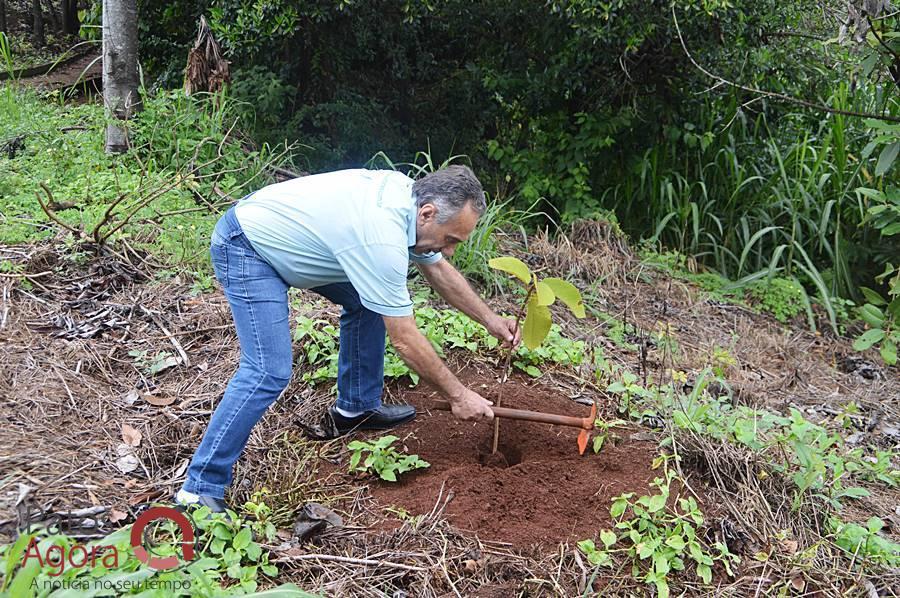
<point>604,426</point>
<point>382,458</point>
<point>539,295</point>
<point>882,317</point>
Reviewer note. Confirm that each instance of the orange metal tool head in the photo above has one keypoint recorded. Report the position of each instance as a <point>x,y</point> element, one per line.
<point>585,432</point>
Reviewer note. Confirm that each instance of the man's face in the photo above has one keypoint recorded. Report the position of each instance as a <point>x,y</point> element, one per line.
<point>432,236</point>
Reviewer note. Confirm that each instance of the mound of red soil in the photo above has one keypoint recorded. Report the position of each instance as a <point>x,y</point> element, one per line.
<point>539,491</point>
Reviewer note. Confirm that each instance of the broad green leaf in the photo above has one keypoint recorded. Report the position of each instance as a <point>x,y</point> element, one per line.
<point>854,492</point>
<point>662,588</point>
<point>513,266</point>
<point>545,294</point>
<point>894,308</point>
<point>869,338</point>
<point>872,296</point>
<point>587,546</point>
<point>705,573</point>
<point>889,352</point>
<point>242,539</point>
<point>871,315</point>
<point>598,442</point>
<point>676,542</point>
<point>657,502</point>
<point>874,525</point>
<point>389,475</point>
<point>608,538</point>
<point>533,371</point>
<point>887,157</point>
<point>568,294</point>
<point>537,324</point>
<point>618,508</point>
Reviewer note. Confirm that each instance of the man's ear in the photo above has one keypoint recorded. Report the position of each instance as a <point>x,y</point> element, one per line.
<point>427,213</point>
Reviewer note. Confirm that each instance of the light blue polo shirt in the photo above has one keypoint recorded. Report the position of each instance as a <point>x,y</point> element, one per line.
<point>356,226</point>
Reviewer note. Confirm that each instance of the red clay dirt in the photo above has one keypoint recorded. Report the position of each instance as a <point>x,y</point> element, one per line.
<point>548,492</point>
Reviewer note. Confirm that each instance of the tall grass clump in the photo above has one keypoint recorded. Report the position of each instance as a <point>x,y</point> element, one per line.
<point>754,199</point>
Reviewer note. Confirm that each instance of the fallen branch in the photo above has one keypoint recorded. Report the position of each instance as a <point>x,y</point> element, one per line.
<point>50,213</point>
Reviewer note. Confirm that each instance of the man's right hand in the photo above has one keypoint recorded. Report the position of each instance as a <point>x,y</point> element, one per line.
<point>472,406</point>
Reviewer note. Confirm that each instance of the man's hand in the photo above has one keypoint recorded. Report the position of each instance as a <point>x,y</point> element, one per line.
<point>505,330</point>
<point>471,406</point>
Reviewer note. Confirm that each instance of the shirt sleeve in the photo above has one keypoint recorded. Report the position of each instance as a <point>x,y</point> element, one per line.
<point>425,258</point>
<point>378,273</point>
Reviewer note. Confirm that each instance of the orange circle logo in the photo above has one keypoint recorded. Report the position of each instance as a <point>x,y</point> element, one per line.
<point>187,535</point>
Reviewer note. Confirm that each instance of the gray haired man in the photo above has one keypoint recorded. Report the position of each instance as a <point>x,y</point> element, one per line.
<point>348,236</point>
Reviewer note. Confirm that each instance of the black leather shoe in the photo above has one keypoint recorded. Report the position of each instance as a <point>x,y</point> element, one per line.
<point>216,505</point>
<point>383,418</point>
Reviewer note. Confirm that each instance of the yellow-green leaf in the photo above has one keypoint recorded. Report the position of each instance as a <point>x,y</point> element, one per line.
<point>537,324</point>
<point>545,295</point>
<point>513,266</point>
<point>568,294</point>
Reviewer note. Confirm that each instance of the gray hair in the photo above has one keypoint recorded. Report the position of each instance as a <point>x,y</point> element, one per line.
<point>449,190</point>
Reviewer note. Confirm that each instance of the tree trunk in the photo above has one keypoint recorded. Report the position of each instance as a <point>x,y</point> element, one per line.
<point>52,17</point>
<point>70,25</point>
<point>120,69</point>
<point>38,29</point>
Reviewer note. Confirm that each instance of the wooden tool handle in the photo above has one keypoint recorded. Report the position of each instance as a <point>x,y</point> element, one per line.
<point>584,423</point>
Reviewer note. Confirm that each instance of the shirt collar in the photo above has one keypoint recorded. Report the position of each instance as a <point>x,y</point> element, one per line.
<point>411,220</point>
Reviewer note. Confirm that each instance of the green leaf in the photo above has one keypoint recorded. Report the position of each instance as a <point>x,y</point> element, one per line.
<point>389,475</point>
<point>354,460</point>
<point>874,525</point>
<point>662,588</point>
<point>587,546</point>
<point>254,551</point>
<point>537,324</point>
<point>887,157</point>
<point>705,573</point>
<point>618,508</point>
<point>598,442</point>
<point>869,338</point>
<point>533,371</point>
<point>872,296</point>
<point>871,315</point>
<point>568,294</point>
<point>545,294</point>
<point>889,352</point>
<point>657,502</point>
<point>854,492</point>
<point>608,538</point>
<point>242,539</point>
<point>676,542</point>
<point>513,266</point>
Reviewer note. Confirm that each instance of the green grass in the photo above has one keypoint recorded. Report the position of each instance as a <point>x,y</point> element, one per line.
<point>163,196</point>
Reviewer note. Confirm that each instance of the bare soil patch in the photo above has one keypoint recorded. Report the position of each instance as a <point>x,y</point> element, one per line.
<point>536,490</point>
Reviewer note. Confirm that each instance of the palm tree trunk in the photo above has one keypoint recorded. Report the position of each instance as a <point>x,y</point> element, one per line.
<point>120,69</point>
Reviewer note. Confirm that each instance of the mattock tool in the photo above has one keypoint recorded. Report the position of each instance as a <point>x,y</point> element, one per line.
<point>585,423</point>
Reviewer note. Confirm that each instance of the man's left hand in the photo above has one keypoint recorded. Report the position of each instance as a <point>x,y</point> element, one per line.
<point>505,330</point>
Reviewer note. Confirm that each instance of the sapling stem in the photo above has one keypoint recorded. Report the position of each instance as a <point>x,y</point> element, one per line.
<point>506,367</point>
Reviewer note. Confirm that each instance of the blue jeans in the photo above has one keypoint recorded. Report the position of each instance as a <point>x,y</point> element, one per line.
<point>259,305</point>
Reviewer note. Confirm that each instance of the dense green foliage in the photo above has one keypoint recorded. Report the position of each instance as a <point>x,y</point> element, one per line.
<point>580,108</point>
